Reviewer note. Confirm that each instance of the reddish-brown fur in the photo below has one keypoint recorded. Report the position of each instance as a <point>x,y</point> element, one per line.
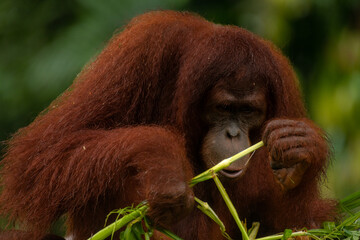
<point>130,125</point>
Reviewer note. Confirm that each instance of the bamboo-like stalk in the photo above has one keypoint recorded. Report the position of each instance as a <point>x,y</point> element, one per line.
<point>280,236</point>
<point>230,207</point>
<point>224,164</point>
<point>107,231</point>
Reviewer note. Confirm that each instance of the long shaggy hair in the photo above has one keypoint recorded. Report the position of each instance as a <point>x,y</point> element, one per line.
<point>133,115</point>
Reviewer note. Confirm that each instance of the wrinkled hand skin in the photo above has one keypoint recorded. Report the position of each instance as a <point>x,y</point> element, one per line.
<point>171,203</point>
<point>292,147</point>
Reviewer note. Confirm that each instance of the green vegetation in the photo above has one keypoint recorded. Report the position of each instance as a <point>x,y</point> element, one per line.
<point>44,45</point>
<point>347,229</point>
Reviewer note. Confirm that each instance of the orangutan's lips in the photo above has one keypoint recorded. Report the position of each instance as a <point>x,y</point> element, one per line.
<point>231,173</point>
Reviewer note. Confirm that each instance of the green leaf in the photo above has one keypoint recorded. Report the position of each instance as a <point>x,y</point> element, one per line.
<point>147,236</point>
<point>148,226</point>
<point>253,231</point>
<point>131,215</point>
<point>138,230</point>
<point>169,234</point>
<point>351,202</point>
<point>329,226</point>
<point>287,234</point>
<point>128,234</point>
<point>208,211</point>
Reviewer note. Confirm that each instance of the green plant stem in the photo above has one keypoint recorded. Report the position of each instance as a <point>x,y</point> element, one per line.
<point>107,231</point>
<point>230,207</point>
<point>279,236</point>
<point>224,164</point>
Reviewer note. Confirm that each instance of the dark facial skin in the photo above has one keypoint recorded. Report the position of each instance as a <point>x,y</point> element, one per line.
<point>233,121</point>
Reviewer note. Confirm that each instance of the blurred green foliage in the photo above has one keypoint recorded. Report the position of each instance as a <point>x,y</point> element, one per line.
<point>44,45</point>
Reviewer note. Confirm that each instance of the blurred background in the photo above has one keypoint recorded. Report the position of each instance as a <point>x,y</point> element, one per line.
<point>45,44</point>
